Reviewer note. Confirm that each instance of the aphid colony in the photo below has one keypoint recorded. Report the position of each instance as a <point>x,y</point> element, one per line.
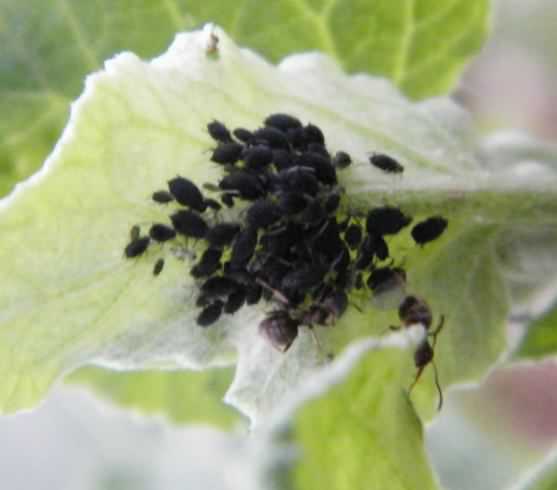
<point>294,243</point>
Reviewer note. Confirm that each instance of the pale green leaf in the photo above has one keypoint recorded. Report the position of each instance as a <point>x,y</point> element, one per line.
<point>354,427</point>
<point>181,396</point>
<point>71,298</point>
<point>541,338</point>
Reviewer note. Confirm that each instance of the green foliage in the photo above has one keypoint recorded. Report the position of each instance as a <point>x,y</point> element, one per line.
<point>541,338</point>
<point>49,47</point>
<point>362,432</point>
<point>182,396</point>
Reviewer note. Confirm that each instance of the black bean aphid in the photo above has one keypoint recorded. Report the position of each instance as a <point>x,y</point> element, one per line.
<point>280,329</point>
<point>386,220</point>
<point>210,314</point>
<point>243,135</point>
<point>219,132</point>
<point>227,153</point>
<point>187,193</point>
<point>208,264</point>
<point>222,234</point>
<point>189,223</point>
<point>157,269</point>
<point>429,229</point>
<point>263,213</point>
<point>258,157</point>
<point>235,301</point>
<point>284,122</point>
<point>386,163</point>
<point>341,160</point>
<point>246,184</point>
<point>217,286</point>
<point>312,134</point>
<point>162,233</point>
<point>162,197</point>
<point>271,137</point>
<point>137,247</point>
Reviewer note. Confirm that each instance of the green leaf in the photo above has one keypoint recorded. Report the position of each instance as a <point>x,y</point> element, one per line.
<point>48,48</point>
<point>355,427</point>
<point>71,298</point>
<point>182,396</point>
<point>541,337</point>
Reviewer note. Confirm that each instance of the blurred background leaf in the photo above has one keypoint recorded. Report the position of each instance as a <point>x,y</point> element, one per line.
<point>181,396</point>
<point>49,47</point>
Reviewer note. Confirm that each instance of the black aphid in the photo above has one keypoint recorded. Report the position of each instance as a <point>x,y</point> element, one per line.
<point>227,153</point>
<point>187,193</point>
<point>386,163</point>
<point>157,269</point>
<point>243,135</point>
<point>385,279</point>
<point>353,236</point>
<point>219,132</point>
<point>263,213</point>
<point>258,157</point>
<point>299,179</point>
<point>161,233</point>
<point>429,229</point>
<point>312,134</point>
<point>283,159</point>
<point>137,247</point>
<point>162,197</point>
<point>284,122</point>
<point>414,310</point>
<point>386,220</point>
<point>341,160</point>
<point>243,247</point>
<point>218,286</point>
<point>213,204</point>
<point>208,264</point>
<point>318,148</point>
<point>246,184</point>
<point>280,329</point>
<point>271,137</point>
<point>292,203</point>
<point>222,234</point>
<point>235,300</point>
<point>189,223</point>
<point>322,167</point>
<point>210,314</point>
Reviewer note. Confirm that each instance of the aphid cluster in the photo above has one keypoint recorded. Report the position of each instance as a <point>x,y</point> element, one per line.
<point>295,242</point>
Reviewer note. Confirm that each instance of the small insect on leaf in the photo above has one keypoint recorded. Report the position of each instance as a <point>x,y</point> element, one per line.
<point>386,163</point>
<point>210,314</point>
<point>137,247</point>
<point>279,329</point>
<point>162,197</point>
<point>187,193</point>
<point>429,229</point>
<point>219,132</point>
<point>162,233</point>
<point>189,223</point>
<point>157,269</point>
